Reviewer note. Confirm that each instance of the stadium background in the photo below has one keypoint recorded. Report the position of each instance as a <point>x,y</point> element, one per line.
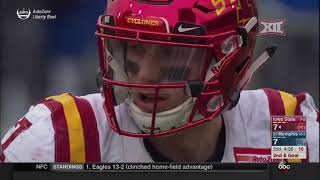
<point>43,58</point>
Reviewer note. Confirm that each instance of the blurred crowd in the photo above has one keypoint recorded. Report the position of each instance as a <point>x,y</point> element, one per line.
<point>43,58</point>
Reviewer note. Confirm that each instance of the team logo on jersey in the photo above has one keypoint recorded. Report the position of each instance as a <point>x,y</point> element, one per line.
<point>23,14</point>
<point>272,27</point>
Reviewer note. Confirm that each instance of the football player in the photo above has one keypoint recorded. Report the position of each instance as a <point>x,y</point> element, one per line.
<point>171,77</point>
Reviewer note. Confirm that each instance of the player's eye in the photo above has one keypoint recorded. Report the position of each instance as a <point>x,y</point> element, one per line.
<point>132,68</point>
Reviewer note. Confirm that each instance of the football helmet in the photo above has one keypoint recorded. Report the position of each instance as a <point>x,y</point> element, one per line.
<point>174,64</point>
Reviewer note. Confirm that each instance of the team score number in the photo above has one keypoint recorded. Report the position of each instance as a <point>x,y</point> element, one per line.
<point>276,126</point>
<point>275,141</point>
<point>118,166</point>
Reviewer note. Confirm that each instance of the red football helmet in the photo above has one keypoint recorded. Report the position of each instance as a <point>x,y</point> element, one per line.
<point>173,64</point>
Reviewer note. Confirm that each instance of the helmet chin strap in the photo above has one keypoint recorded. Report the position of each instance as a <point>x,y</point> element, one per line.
<point>267,54</point>
<point>260,60</point>
<point>165,120</point>
<point>235,97</point>
<point>250,24</point>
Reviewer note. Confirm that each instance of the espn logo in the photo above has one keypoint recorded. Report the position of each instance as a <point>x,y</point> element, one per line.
<point>272,27</point>
<point>284,167</point>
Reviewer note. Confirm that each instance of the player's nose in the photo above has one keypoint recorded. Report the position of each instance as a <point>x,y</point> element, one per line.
<point>149,72</point>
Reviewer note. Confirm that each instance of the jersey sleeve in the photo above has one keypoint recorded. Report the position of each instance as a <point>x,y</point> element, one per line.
<point>31,139</point>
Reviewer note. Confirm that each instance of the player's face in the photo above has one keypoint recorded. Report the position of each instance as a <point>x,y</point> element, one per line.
<point>159,64</point>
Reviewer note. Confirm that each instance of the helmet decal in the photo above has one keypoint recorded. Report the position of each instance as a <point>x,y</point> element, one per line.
<point>245,11</point>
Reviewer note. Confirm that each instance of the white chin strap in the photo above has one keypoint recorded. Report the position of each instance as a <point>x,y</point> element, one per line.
<point>165,120</point>
<point>251,23</point>
<point>262,59</point>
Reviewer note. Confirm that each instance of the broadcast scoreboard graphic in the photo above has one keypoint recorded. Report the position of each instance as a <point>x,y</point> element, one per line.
<point>288,137</point>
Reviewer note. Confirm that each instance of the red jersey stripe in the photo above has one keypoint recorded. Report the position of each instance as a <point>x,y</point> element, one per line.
<point>246,150</point>
<point>276,105</point>
<point>90,130</point>
<point>300,97</point>
<point>2,157</point>
<point>23,124</point>
<point>62,144</point>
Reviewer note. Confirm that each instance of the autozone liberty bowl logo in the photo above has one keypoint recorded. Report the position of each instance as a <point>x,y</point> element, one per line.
<point>275,27</point>
<point>23,14</point>
<point>35,14</point>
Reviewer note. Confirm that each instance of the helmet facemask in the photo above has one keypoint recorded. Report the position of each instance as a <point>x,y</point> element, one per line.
<point>163,86</point>
<point>167,81</point>
<point>152,81</point>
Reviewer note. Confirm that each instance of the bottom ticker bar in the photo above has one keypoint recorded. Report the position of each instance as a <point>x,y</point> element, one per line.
<point>138,167</point>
